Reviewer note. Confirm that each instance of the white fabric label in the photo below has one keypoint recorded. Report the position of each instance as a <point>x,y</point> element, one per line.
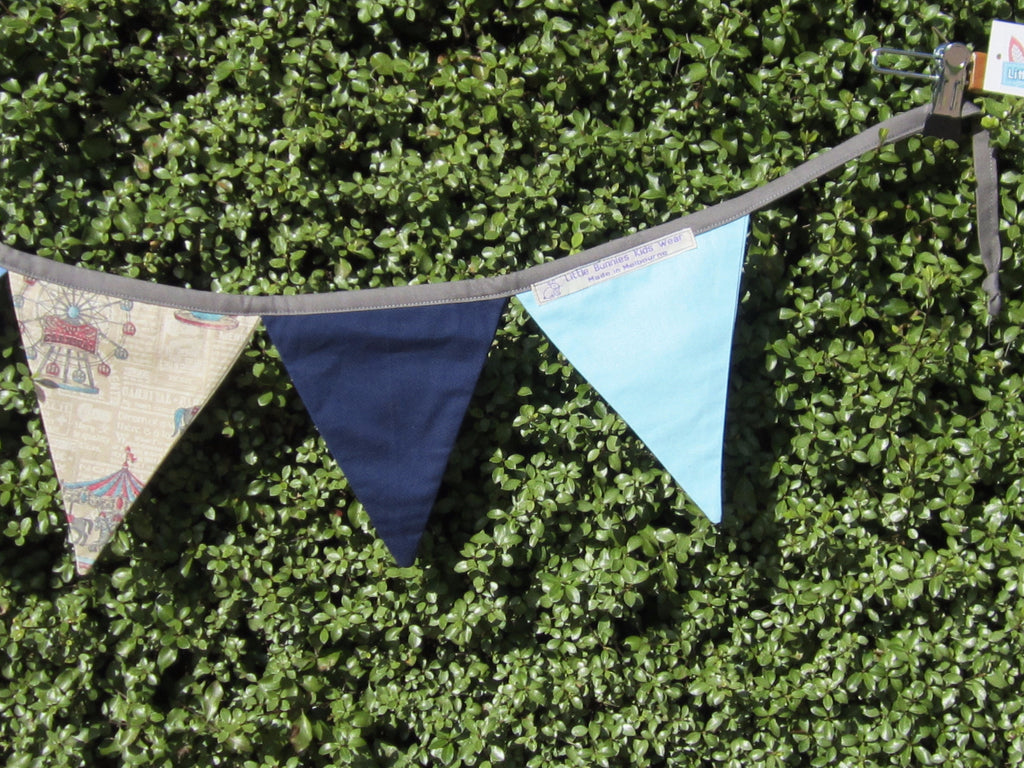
<point>612,266</point>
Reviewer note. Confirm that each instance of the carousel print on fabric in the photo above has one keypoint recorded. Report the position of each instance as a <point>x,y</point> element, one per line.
<point>73,335</point>
<point>112,373</point>
<point>207,320</point>
<point>108,499</point>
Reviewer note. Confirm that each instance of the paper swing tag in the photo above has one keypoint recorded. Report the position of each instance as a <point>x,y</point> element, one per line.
<point>1004,64</point>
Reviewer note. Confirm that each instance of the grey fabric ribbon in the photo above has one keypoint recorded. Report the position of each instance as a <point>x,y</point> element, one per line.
<point>889,131</point>
<point>986,203</point>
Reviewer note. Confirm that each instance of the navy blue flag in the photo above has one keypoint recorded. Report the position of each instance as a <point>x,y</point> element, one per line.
<point>388,390</point>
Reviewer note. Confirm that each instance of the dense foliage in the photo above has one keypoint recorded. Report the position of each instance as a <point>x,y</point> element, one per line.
<point>861,603</point>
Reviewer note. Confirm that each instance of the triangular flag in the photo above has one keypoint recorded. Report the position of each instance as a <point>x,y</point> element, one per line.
<point>651,330</point>
<point>388,390</point>
<point>118,383</point>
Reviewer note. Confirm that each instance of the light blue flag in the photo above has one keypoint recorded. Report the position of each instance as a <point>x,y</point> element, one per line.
<point>651,330</point>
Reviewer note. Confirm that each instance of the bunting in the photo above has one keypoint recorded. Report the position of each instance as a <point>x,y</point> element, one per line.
<point>118,383</point>
<point>122,366</point>
<point>388,391</point>
<point>651,329</point>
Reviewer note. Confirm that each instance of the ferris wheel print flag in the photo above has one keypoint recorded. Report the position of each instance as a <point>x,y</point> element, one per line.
<point>117,380</point>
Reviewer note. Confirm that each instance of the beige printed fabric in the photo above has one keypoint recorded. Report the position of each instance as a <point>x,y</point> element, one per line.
<point>119,381</point>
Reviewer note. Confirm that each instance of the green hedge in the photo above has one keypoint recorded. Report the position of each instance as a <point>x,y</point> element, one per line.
<point>860,605</point>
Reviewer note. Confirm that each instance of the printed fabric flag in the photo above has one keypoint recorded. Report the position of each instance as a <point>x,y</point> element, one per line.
<point>654,337</point>
<point>388,390</point>
<point>118,381</point>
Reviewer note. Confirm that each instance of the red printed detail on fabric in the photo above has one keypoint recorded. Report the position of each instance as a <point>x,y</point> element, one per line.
<point>56,330</point>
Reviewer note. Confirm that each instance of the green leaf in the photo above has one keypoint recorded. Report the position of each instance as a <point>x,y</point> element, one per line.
<point>212,697</point>
<point>302,733</point>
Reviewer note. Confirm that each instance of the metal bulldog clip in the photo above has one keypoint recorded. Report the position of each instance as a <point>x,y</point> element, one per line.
<point>954,70</point>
